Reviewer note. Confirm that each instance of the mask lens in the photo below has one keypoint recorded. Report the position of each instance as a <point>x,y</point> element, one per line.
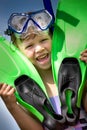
<point>43,19</point>
<point>18,22</point>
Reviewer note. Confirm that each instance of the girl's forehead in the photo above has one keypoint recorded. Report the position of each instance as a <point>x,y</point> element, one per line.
<point>31,34</point>
<point>34,32</point>
<point>34,36</point>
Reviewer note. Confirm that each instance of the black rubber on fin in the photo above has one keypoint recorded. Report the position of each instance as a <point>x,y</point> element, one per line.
<point>69,78</point>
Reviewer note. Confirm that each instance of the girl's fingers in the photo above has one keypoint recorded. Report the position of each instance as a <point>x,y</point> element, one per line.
<point>85,51</point>
<point>83,56</point>
<point>6,90</point>
<point>2,88</point>
<point>84,59</point>
<point>12,90</point>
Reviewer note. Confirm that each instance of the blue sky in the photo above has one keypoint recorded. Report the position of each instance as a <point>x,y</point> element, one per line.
<point>6,8</point>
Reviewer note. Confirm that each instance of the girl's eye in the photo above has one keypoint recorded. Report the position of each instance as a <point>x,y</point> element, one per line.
<point>29,46</point>
<point>44,40</point>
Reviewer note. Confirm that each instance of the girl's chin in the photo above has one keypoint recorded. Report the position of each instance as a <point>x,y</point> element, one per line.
<point>44,66</point>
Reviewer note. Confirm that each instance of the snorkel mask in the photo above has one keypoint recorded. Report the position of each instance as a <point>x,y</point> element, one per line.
<point>21,23</point>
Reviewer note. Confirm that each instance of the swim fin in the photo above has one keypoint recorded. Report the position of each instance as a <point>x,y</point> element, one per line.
<point>69,40</point>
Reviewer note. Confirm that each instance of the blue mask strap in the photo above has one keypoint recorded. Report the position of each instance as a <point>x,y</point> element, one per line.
<point>48,7</point>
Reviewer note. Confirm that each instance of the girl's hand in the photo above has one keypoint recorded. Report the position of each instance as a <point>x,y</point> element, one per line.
<point>7,94</point>
<point>83,56</point>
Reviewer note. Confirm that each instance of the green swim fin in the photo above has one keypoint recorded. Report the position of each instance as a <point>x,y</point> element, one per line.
<point>69,40</point>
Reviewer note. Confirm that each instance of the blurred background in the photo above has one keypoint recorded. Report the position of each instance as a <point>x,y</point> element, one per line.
<point>7,7</point>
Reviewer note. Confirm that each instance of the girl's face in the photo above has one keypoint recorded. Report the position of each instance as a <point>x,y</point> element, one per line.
<point>37,49</point>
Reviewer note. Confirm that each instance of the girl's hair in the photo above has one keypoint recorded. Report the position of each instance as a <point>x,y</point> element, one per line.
<point>22,37</point>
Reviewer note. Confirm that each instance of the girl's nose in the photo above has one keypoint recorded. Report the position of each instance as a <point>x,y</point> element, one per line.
<point>39,48</point>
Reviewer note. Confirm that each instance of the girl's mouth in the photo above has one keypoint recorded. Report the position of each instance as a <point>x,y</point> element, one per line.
<point>43,58</point>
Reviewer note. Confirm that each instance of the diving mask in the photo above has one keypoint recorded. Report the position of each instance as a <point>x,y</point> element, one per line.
<point>21,22</point>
